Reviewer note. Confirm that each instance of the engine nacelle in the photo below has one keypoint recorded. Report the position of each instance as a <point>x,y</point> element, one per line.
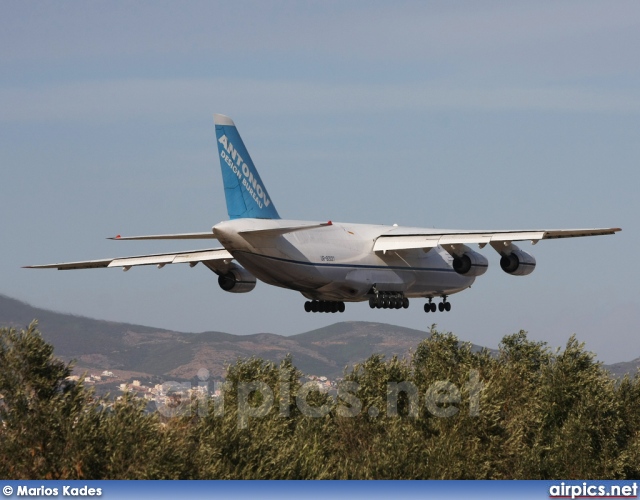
<point>518,262</point>
<point>470,263</point>
<point>237,280</point>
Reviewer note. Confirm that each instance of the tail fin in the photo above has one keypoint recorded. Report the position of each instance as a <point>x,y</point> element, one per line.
<point>243,189</point>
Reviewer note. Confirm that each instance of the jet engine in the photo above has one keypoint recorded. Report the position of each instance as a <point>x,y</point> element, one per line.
<point>470,263</point>
<point>518,262</point>
<point>237,280</point>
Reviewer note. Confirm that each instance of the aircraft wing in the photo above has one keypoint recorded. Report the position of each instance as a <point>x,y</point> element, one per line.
<point>216,258</point>
<point>431,239</point>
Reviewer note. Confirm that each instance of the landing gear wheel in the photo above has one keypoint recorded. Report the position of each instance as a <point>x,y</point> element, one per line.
<point>447,306</point>
<point>427,307</point>
<point>341,307</point>
<point>441,306</point>
<point>307,306</point>
<point>314,306</point>
<point>405,303</point>
<point>433,307</point>
<point>372,302</point>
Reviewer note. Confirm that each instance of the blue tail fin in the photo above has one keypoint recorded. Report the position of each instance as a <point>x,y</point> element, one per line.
<point>244,191</point>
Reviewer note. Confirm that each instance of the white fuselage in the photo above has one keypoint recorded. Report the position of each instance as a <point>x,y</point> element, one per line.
<point>337,261</point>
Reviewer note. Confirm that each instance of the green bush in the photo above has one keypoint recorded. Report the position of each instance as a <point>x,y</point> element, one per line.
<point>526,412</point>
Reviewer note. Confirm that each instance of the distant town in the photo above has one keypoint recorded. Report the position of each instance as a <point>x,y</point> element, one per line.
<point>169,394</point>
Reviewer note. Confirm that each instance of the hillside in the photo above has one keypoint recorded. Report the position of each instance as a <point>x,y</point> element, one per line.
<point>624,368</point>
<point>138,351</point>
<point>144,351</point>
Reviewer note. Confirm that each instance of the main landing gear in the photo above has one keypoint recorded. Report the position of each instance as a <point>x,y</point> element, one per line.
<point>442,306</point>
<point>388,300</point>
<point>323,306</point>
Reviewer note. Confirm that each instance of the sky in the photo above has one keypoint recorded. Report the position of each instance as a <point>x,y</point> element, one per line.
<point>458,115</point>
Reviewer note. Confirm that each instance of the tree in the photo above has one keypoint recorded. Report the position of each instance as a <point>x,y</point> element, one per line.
<point>39,406</point>
<point>449,412</point>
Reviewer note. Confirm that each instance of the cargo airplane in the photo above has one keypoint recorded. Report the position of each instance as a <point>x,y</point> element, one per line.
<point>331,263</point>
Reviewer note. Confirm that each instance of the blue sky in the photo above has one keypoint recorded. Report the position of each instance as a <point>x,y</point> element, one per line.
<point>470,115</point>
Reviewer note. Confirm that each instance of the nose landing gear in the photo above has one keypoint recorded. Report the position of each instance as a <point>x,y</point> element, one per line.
<point>442,306</point>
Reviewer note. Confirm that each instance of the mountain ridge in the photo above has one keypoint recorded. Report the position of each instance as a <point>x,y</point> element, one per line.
<point>154,352</point>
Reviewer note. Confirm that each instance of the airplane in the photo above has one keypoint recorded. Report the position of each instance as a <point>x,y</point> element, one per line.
<point>333,263</point>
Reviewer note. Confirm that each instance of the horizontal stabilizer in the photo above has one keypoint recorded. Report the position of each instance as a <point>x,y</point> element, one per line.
<point>274,231</point>
<point>182,236</point>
